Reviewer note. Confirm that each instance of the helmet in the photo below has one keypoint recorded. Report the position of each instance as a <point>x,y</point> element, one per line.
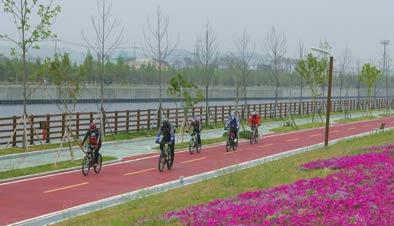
<point>92,126</point>
<point>233,114</point>
<point>165,121</point>
<point>254,113</point>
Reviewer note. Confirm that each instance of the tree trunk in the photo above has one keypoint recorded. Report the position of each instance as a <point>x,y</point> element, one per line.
<point>206,106</point>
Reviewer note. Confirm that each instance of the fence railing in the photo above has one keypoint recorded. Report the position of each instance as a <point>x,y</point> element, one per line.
<point>51,127</point>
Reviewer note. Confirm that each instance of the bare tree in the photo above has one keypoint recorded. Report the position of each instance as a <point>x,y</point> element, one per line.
<point>245,53</point>
<point>275,44</point>
<point>158,44</point>
<point>206,54</point>
<point>301,57</point>
<point>30,32</point>
<point>106,40</point>
<point>345,61</point>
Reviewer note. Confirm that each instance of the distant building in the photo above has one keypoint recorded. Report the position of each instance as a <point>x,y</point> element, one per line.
<point>137,63</point>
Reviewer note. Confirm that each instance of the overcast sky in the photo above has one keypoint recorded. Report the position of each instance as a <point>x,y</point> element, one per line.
<point>360,24</point>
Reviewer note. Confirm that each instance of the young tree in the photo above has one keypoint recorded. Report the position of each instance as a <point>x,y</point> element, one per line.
<point>158,44</point>
<point>207,59</point>
<point>60,71</point>
<point>301,57</point>
<point>369,75</point>
<point>188,93</point>
<point>245,53</point>
<point>105,42</point>
<point>30,33</point>
<point>275,45</point>
<point>343,70</point>
<point>312,70</point>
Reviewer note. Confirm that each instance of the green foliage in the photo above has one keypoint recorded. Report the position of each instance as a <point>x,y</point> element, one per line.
<point>31,33</point>
<point>59,70</point>
<point>312,70</point>
<point>369,75</point>
<point>182,89</point>
<point>246,134</point>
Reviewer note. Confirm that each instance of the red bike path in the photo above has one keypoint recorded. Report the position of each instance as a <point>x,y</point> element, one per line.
<point>29,198</point>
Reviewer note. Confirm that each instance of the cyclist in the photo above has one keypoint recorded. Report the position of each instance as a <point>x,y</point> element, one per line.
<point>94,137</point>
<point>196,123</point>
<point>233,123</point>
<point>254,122</point>
<point>168,132</point>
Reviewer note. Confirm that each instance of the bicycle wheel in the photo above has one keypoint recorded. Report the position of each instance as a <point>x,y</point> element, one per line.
<point>162,161</point>
<point>169,160</point>
<point>191,145</point>
<point>198,146</point>
<point>86,165</point>
<point>228,145</point>
<point>235,145</point>
<point>97,169</point>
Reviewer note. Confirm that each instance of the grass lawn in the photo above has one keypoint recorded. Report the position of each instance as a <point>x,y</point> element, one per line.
<point>45,168</point>
<point>356,119</point>
<point>284,129</point>
<point>149,210</point>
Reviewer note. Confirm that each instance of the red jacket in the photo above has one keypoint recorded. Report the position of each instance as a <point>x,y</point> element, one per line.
<point>254,120</point>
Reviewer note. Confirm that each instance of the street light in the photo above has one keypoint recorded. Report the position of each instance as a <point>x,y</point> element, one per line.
<point>328,92</point>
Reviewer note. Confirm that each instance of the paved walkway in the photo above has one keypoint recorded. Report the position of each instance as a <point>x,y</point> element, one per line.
<point>122,149</point>
<point>34,197</point>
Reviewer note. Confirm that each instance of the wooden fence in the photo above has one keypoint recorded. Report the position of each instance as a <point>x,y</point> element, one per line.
<point>136,120</point>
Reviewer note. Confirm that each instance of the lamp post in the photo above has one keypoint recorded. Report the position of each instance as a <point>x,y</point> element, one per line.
<point>330,71</point>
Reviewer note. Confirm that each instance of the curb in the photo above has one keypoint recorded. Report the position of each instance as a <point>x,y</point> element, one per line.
<point>62,215</point>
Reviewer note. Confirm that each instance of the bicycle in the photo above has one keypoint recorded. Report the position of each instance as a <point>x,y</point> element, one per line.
<point>88,161</point>
<point>194,145</point>
<point>255,135</point>
<point>231,143</point>
<point>165,157</point>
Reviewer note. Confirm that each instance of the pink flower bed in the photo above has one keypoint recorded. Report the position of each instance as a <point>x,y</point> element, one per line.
<point>362,193</point>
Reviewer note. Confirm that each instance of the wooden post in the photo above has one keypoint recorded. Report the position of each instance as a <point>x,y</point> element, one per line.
<point>223,113</point>
<point>216,114</point>
<point>116,122</point>
<point>104,123</point>
<point>77,125</point>
<point>138,120</point>
<point>148,122</point>
<point>281,108</point>
<point>14,129</point>
<point>176,117</point>
<point>260,110</point>
<point>307,107</point>
<point>31,129</point>
<point>127,121</point>
<point>265,110</point>
<point>48,128</point>
<point>285,109</point>
<point>63,123</point>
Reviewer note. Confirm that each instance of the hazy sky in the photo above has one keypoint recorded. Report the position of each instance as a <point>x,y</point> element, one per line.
<point>360,24</point>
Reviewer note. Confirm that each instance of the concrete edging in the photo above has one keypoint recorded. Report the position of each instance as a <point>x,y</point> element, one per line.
<point>120,199</point>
